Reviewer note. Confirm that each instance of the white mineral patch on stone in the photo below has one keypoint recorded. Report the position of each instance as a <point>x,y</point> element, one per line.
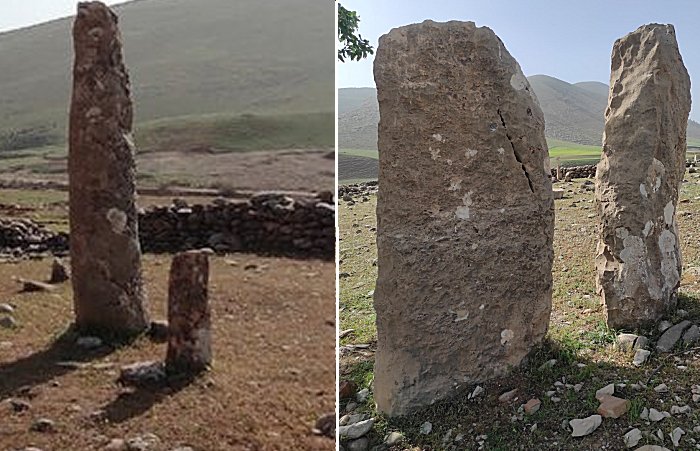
<point>470,153</point>
<point>455,184</point>
<point>518,81</point>
<point>463,212</point>
<point>506,336</point>
<point>500,150</point>
<point>434,153</point>
<point>633,250</point>
<point>647,228</point>
<point>438,137</point>
<point>621,232</point>
<point>117,220</point>
<point>643,190</point>
<point>668,213</point>
<point>462,314</point>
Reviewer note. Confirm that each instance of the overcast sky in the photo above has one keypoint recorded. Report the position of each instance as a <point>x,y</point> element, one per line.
<point>569,40</point>
<point>23,13</point>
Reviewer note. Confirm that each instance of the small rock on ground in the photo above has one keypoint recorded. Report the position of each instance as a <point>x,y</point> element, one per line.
<point>585,426</point>
<point>357,430</point>
<point>671,336</point>
<point>640,357</point>
<point>633,437</point>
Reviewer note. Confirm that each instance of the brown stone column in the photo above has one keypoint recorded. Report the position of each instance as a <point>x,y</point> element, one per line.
<point>189,341</point>
<point>104,244</point>
<point>638,262</point>
<point>465,214</point>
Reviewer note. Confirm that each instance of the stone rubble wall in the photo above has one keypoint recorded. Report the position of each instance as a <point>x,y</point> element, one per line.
<point>268,224</point>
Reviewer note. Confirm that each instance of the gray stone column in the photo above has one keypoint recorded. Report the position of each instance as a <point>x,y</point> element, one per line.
<point>104,244</point>
<point>638,262</point>
<point>465,214</point>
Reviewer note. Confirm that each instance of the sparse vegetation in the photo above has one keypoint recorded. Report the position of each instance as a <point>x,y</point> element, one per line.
<point>578,339</point>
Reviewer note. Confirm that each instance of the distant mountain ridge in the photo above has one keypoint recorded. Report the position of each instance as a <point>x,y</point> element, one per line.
<point>573,113</point>
<point>185,58</point>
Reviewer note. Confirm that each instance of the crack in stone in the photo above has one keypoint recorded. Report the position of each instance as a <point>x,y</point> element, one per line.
<point>515,153</point>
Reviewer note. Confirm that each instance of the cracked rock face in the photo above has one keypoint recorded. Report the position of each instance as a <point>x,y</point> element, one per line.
<point>638,258</point>
<point>104,246</point>
<point>465,213</point>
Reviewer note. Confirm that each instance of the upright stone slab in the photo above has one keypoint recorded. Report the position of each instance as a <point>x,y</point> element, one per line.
<point>104,244</point>
<point>638,261</point>
<point>465,213</point>
<point>189,340</point>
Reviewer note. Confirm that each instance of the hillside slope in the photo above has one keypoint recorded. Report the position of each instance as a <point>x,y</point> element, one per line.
<point>573,113</point>
<point>186,58</point>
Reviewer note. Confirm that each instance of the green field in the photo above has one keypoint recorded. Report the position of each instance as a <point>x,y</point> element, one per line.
<point>557,149</point>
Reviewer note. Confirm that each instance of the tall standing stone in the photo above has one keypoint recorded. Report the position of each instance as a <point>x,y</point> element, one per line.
<point>465,213</point>
<point>638,261</point>
<point>104,244</point>
<point>189,339</point>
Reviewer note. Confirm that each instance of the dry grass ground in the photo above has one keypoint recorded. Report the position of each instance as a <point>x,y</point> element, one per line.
<point>578,339</point>
<point>273,373</point>
<point>287,170</point>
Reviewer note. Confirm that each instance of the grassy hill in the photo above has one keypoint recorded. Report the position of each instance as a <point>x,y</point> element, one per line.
<point>195,66</point>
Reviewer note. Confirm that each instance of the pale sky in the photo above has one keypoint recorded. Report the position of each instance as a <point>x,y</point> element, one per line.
<point>23,13</point>
<point>569,40</point>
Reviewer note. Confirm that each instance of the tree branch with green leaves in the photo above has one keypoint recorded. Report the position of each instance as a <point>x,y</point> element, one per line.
<point>354,46</point>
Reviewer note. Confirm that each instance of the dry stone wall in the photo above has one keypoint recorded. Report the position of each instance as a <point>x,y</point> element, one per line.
<point>273,224</point>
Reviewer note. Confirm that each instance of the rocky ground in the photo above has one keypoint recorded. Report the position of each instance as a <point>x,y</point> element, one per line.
<point>272,378</point>
<point>586,388</point>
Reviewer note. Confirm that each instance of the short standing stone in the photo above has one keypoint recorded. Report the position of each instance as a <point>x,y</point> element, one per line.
<point>189,340</point>
<point>464,282</point>
<point>104,242</point>
<point>59,271</point>
<point>638,262</point>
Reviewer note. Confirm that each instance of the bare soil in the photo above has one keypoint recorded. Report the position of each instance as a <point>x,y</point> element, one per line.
<point>273,373</point>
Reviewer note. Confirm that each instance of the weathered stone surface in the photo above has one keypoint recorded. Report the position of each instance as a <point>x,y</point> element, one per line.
<point>189,339</point>
<point>104,245</point>
<point>465,213</point>
<point>638,260</point>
